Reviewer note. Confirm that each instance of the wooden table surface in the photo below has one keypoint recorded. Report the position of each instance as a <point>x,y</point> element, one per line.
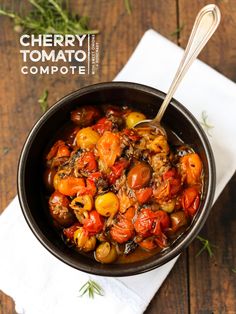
<point>196,284</point>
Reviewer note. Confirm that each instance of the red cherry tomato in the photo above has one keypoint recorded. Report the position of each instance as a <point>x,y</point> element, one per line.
<point>163,218</point>
<point>143,195</point>
<point>87,162</point>
<point>94,224</point>
<point>60,210</point>
<point>103,125</point>
<point>132,134</point>
<point>174,181</point>
<point>144,222</point>
<point>122,231</point>
<point>117,169</point>
<point>69,232</point>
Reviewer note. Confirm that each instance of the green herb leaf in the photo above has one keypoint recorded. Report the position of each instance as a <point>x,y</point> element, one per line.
<point>49,17</point>
<point>5,150</point>
<point>128,6</point>
<point>91,288</point>
<point>43,101</point>
<point>178,30</point>
<point>206,246</point>
<point>234,270</point>
<point>205,124</point>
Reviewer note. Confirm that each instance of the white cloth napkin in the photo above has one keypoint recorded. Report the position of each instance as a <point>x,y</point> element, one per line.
<point>41,284</point>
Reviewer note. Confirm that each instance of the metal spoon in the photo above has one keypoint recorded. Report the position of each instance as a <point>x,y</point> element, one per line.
<point>204,26</point>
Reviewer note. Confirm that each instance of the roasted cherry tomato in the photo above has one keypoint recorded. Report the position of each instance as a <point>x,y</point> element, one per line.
<point>174,179</point>
<point>109,149</point>
<point>144,222</point>
<point>106,253</point>
<point>103,125</point>
<point>191,165</point>
<point>117,169</point>
<point>59,149</point>
<point>149,222</point>
<point>60,210</point>
<point>190,200</point>
<point>87,162</point>
<point>94,223</point>
<point>122,231</point>
<point>85,116</point>
<point>132,134</point>
<point>139,175</point>
<point>69,185</point>
<point>143,195</point>
<point>69,232</point>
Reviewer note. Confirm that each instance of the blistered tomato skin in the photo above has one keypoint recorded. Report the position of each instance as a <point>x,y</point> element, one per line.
<point>59,209</point>
<point>118,192</point>
<point>85,116</point>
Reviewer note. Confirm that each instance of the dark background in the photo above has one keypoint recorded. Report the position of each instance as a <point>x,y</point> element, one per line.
<point>196,284</point>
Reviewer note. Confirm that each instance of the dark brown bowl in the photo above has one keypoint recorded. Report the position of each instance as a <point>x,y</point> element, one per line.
<point>30,186</point>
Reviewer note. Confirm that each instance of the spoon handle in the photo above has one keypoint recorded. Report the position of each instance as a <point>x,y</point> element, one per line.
<point>204,26</point>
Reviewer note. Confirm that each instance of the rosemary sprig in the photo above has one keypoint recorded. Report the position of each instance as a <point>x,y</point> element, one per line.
<point>43,101</point>
<point>49,17</point>
<point>128,6</point>
<point>206,246</point>
<point>92,288</point>
<point>205,123</point>
<point>178,30</point>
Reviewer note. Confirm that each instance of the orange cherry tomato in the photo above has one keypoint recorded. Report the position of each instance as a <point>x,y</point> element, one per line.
<point>190,200</point>
<point>59,149</point>
<point>70,185</point>
<point>109,149</point>
<point>191,165</point>
<point>129,214</point>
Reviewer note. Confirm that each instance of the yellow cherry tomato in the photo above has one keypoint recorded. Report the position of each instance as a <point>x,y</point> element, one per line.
<point>106,253</point>
<point>87,138</point>
<point>83,241</point>
<point>107,204</point>
<point>82,203</point>
<point>133,118</point>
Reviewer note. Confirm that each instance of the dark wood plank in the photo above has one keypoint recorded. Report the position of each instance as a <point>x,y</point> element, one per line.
<point>172,298</point>
<point>212,283</point>
<point>212,280</point>
<point>19,110</point>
